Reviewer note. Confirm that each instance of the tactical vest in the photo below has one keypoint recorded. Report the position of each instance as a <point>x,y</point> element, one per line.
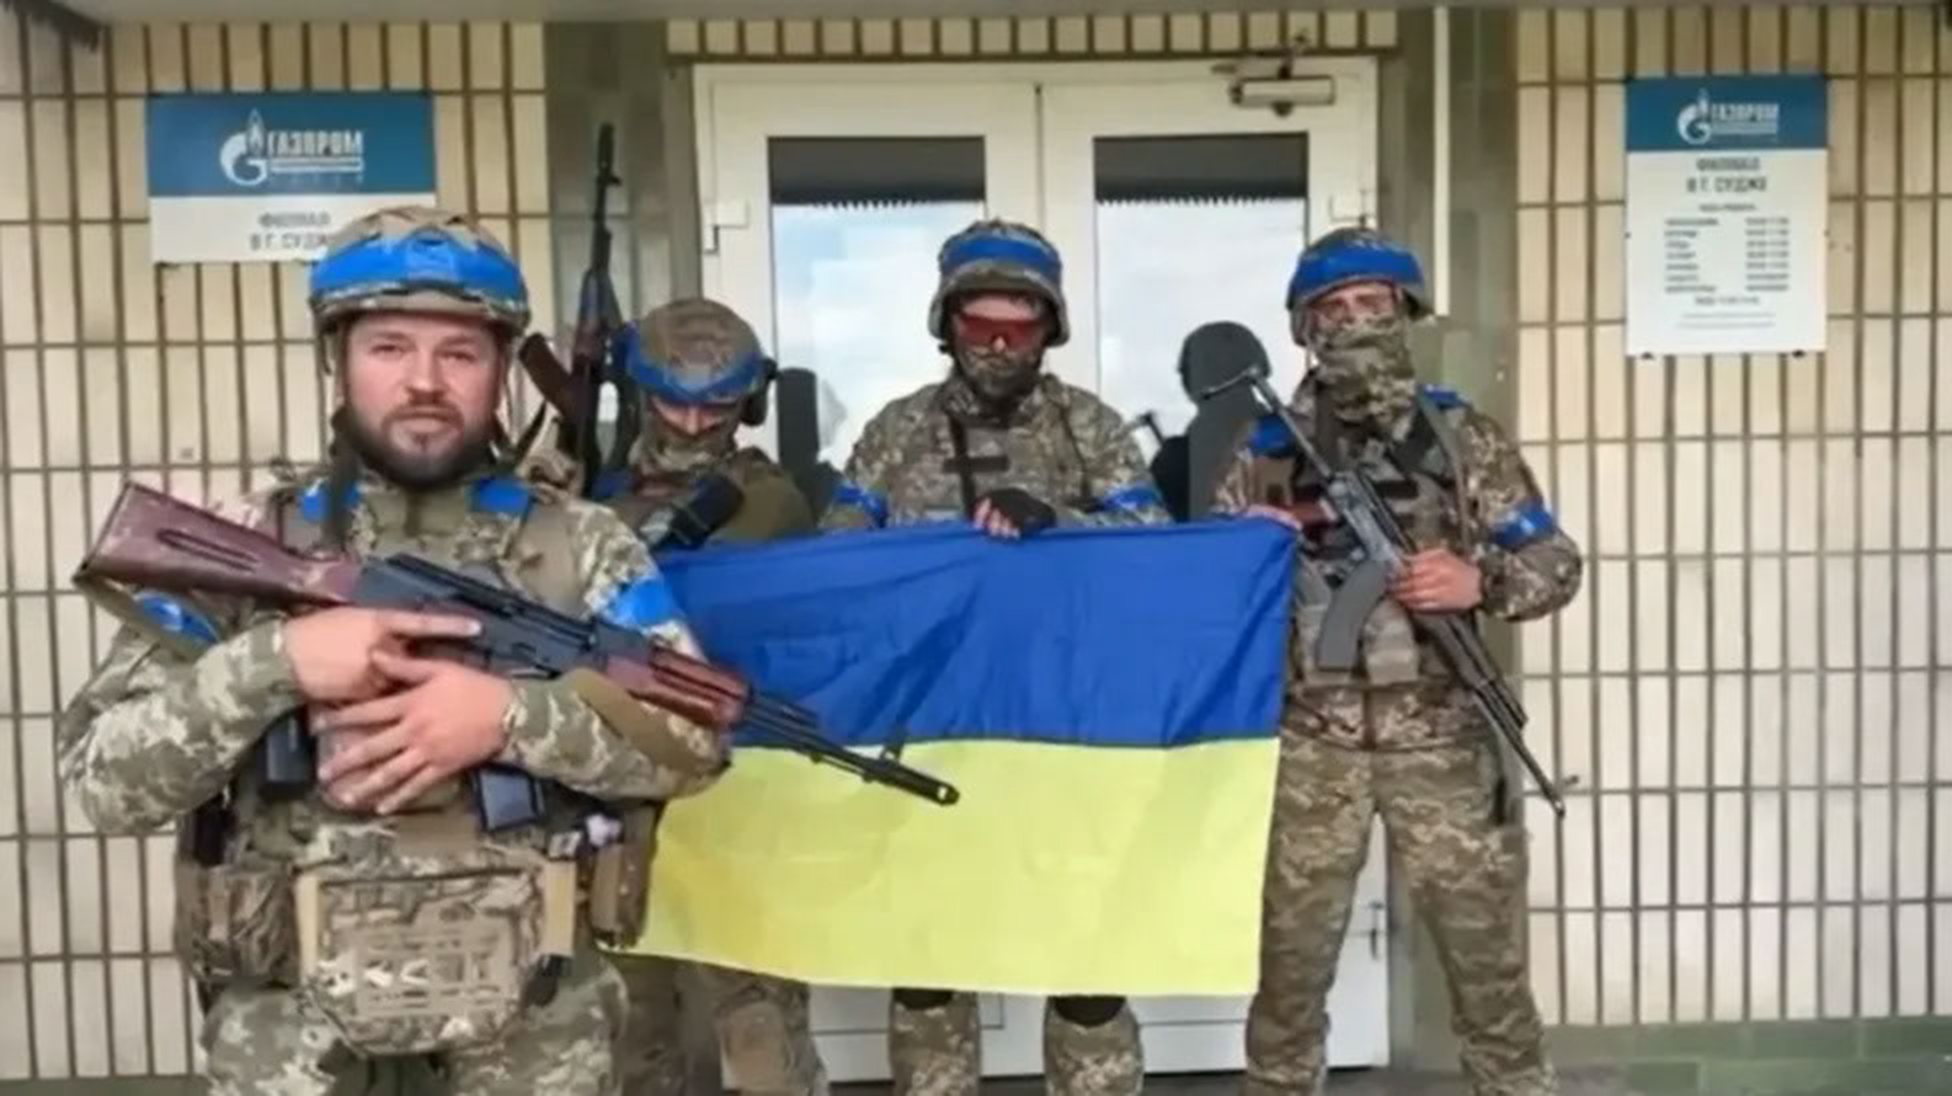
<point>437,937</point>
<point>772,506</point>
<point>1419,479</point>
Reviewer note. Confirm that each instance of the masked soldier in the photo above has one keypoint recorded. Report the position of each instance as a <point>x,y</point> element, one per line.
<point>1015,450</point>
<point>366,917</point>
<point>703,375</point>
<point>1395,735</point>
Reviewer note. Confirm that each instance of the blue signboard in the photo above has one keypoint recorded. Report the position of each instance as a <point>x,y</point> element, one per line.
<point>1726,112</point>
<point>1726,214</point>
<point>264,177</point>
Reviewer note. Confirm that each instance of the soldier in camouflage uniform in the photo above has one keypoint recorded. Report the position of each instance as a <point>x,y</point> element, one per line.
<point>1396,735</point>
<point>365,918</point>
<point>703,374</point>
<point>1015,450</point>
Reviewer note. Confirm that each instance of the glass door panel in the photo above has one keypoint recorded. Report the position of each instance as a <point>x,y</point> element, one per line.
<point>827,193</point>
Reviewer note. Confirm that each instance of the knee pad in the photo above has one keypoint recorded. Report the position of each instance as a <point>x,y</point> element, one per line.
<point>1088,1011</point>
<point>921,1000</point>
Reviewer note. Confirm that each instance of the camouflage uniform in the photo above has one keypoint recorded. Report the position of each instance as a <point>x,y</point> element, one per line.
<point>160,731</point>
<point>678,351</point>
<point>1069,450</point>
<point>1397,736</point>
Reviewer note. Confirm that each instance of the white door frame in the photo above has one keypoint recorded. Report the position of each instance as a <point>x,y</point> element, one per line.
<point>959,95</point>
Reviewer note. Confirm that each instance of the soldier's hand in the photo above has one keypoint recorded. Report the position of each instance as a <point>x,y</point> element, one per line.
<point>332,652</point>
<point>1011,512</point>
<point>447,718</point>
<point>1437,581</point>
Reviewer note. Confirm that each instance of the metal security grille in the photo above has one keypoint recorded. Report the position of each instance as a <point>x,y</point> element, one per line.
<point>190,377</point>
<point>1749,687</point>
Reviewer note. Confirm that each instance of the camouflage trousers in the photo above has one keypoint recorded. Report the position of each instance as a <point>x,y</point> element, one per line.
<point>272,1042</point>
<point>1466,874</point>
<point>764,1038</point>
<point>937,1051</point>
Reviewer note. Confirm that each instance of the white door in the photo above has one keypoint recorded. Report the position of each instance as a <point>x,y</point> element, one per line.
<point>828,189</point>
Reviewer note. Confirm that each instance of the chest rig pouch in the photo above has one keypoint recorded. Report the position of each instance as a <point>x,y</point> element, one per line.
<point>425,935</point>
<point>965,467</point>
<point>1344,615</point>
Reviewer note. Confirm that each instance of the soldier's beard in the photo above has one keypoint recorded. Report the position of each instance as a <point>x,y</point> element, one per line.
<point>668,449</point>
<point>421,471</point>
<point>1364,367</point>
<point>1000,378</point>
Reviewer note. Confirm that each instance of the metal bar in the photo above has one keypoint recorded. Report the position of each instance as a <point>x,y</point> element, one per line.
<point>1934,650</point>
<point>1895,574</point>
<point>1558,628</point>
<point>15,536</point>
<point>1630,52</point>
<point>1859,272</point>
<point>1746,795</point>
<point>1597,816</point>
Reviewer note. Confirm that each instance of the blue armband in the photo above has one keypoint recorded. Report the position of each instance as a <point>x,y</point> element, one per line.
<point>849,493</point>
<point>1527,522</point>
<point>641,605</point>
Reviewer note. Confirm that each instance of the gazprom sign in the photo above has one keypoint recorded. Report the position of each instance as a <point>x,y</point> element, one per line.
<point>241,178</point>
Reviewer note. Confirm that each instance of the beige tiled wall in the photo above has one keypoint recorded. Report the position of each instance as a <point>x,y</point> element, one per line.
<point>1749,689</point>
<point>1001,38</point>
<point>194,377</point>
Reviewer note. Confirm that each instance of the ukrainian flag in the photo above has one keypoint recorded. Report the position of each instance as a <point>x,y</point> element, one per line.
<point>1106,700</point>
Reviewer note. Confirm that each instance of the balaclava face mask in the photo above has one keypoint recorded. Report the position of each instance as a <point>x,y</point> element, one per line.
<point>1363,362</point>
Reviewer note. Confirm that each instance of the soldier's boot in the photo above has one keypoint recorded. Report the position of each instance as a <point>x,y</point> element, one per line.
<point>1091,1047</point>
<point>651,1055</point>
<point>1464,860</point>
<point>765,1036</point>
<point>935,1045</point>
<point>1316,847</point>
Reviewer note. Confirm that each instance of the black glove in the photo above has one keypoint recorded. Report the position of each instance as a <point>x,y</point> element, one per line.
<point>705,508</point>
<point>1021,509</point>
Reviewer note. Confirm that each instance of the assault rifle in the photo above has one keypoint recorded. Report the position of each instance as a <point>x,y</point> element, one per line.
<point>154,541</point>
<point>1384,546</point>
<point>576,392</point>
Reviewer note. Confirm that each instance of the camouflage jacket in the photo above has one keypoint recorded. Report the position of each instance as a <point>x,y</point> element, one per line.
<point>1062,444</point>
<point>773,506</point>
<point>1467,489</point>
<point>153,734</point>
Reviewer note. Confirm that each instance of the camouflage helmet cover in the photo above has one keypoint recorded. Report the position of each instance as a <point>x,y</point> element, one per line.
<point>1000,257</point>
<point>693,351</point>
<point>1346,256</point>
<point>418,259</point>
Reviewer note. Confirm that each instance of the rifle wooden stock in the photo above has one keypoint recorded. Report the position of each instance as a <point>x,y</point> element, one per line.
<point>154,540</point>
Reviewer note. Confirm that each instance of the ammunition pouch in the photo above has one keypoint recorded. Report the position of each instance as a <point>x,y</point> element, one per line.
<point>235,924</point>
<point>416,954</point>
<point>620,879</point>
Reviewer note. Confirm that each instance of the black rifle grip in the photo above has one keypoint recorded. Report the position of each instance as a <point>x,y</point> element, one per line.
<point>506,797</point>
<point>287,757</point>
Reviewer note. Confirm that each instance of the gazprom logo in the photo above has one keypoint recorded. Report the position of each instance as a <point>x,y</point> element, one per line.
<point>256,153</point>
<point>1705,120</point>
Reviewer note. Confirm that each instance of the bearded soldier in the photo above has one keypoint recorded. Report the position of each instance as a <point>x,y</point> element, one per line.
<point>703,375</point>
<point>1005,445</point>
<point>366,917</point>
<point>1397,735</point>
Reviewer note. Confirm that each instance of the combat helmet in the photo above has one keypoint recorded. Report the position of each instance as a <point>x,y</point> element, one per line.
<point>417,259</point>
<point>1349,255</point>
<point>1004,257</point>
<point>695,350</point>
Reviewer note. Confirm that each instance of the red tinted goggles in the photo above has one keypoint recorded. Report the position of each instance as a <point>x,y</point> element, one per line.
<point>986,331</point>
